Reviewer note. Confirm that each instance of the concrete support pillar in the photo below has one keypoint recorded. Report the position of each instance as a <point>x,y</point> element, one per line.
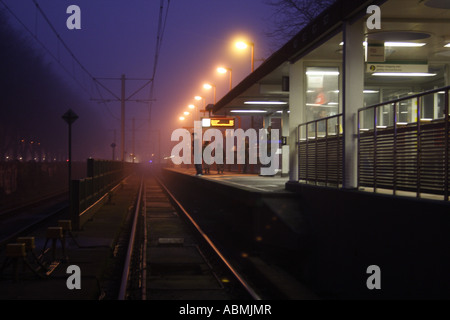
<point>353,98</point>
<point>296,115</point>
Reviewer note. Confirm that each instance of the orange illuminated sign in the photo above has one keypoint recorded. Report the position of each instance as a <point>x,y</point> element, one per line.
<point>222,122</point>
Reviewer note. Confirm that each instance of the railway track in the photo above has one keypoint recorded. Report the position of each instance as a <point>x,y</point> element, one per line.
<point>169,257</point>
<point>21,220</point>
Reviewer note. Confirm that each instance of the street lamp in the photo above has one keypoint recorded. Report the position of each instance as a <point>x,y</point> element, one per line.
<point>224,70</point>
<point>243,45</point>
<point>208,86</point>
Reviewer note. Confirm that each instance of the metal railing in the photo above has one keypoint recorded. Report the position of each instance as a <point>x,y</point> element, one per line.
<point>102,176</point>
<point>403,144</point>
<point>319,148</point>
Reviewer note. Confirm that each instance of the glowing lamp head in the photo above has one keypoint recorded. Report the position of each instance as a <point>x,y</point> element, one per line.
<point>191,106</point>
<point>181,118</point>
<point>198,98</point>
<point>207,86</point>
<point>221,70</point>
<point>241,45</point>
<point>186,113</point>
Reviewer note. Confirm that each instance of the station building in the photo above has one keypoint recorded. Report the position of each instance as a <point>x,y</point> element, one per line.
<point>360,105</point>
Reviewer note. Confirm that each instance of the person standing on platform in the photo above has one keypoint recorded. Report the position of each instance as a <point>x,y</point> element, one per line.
<point>197,159</point>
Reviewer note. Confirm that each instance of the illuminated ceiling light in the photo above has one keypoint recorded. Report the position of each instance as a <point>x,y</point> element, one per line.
<point>404,74</point>
<point>265,102</point>
<point>447,45</point>
<point>322,73</point>
<point>404,44</point>
<point>371,91</point>
<point>248,111</point>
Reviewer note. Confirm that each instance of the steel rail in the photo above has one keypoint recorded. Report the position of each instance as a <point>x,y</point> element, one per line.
<point>126,269</point>
<point>247,287</point>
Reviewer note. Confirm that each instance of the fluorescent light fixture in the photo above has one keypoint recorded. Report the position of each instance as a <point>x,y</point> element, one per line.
<point>322,73</point>
<point>248,111</point>
<point>404,74</point>
<point>265,102</point>
<point>381,127</point>
<point>404,44</point>
<point>371,91</point>
<point>402,123</point>
<point>397,44</point>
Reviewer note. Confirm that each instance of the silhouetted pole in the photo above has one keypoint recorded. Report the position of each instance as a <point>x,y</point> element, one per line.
<point>133,142</point>
<point>70,118</point>
<point>123,117</point>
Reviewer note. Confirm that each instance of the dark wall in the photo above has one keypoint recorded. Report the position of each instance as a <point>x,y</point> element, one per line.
<point>407,238</point>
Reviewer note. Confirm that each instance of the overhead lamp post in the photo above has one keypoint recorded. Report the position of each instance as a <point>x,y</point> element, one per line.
<point>244,45</point>
<point>208,86</point>
<point>225,70</point>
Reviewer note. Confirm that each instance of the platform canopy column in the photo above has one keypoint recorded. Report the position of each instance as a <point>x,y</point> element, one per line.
<point>296,113</point>
<point>353,98</point>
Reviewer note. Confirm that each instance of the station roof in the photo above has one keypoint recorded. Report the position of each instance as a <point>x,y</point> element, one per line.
<point>267,82</point>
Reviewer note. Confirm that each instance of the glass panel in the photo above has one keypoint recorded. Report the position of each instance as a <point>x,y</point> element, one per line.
<point>385,116</point>
<point>322,92</point>
<point>432,106</point>
<point>366,119</point>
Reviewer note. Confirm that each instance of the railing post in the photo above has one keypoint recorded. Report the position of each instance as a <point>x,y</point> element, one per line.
<point>358,127</point>
<point>315,154</point>
<point>395,150</point>
<point>446,141</point>
<point>375,149</point>
<point>418,146</point>
<point>306,154</point>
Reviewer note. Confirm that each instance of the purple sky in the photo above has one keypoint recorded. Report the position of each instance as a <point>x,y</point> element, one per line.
<point>119,36</point>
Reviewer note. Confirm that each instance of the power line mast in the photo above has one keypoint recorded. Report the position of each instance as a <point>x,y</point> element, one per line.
<point>123,99</point>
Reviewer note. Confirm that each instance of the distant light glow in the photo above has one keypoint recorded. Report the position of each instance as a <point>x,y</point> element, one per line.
<point>221,70</point>
<point>207,86</point>
<point>181,118</point>
<point>198,98</point>
<point>191,106</point>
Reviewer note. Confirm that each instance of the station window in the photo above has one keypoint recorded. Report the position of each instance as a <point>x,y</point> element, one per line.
<point>322,92</point>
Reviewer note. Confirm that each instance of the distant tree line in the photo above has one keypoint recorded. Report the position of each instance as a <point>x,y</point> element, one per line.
<point>290,16</point>
<point>32,100</point>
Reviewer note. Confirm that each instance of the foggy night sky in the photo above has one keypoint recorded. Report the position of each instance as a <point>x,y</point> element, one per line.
<point>119,37</point>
